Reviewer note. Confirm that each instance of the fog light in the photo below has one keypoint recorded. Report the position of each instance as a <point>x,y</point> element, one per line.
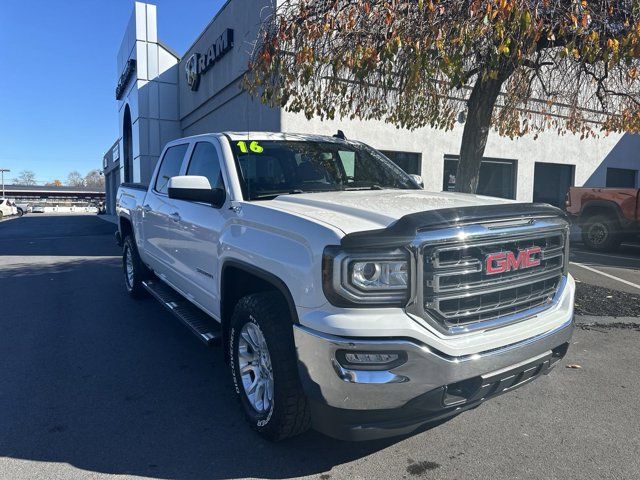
<point>371,360</point>
<point>371,357</point>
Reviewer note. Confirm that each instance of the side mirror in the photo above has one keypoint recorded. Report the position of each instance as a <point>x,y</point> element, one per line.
<point>195,188</point>
<point>417,179</point>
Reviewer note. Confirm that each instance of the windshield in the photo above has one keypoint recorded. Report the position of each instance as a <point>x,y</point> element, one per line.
<point>272,168</point>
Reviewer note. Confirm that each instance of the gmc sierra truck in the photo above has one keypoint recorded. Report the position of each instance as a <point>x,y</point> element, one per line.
<point>346,298</point>
<point>606,216</point>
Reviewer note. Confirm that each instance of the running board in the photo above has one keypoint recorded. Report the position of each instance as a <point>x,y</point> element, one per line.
<point>200,324</point>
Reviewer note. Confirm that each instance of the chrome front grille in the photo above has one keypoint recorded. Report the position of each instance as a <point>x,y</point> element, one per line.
<point>460,295</point>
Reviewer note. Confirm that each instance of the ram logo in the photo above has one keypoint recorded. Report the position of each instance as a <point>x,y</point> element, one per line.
<point>191,69</point>
<point>503,262</point>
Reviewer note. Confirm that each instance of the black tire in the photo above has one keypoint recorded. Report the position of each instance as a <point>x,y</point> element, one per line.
<point>139,272</point>
<point>601,233</point>
<point>20,212</point>
<point>288,415</point>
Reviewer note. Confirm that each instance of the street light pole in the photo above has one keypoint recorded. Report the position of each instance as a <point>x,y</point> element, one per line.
<point>2,170</point>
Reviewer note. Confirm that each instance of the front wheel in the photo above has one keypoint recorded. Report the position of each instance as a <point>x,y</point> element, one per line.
<point>264,367</point>
<point>601,233</point>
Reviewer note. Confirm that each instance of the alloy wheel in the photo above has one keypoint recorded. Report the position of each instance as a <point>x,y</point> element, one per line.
<point>255,367</point>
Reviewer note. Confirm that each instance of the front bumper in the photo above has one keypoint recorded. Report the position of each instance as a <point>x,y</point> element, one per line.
<point>430,385</point>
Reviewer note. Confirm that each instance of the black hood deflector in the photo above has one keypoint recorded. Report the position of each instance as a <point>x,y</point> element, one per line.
<point>404,231</point>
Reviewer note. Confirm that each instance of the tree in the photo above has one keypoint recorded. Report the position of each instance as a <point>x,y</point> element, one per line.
<point>94,179</point>
<point>55,183</point>
<point>26,177</point>
<point>75,179</point>
<point>517,66</point>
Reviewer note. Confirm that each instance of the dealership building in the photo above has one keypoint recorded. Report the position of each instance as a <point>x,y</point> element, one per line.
<point>163,95</point>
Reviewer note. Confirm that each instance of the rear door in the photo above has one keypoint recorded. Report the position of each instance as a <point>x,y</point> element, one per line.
<point>197,233</point>
<point>159,214</point>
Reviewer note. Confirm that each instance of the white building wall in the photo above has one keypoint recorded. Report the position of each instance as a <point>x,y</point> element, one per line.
<point>591,157</point>
<point>152,95</point>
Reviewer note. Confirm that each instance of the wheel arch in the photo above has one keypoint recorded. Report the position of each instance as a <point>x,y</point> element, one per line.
<point>601,207</point>
<point>238,279</point>
<point>125,227</point>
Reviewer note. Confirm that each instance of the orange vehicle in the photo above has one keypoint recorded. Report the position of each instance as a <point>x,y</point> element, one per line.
<point>607,216</point>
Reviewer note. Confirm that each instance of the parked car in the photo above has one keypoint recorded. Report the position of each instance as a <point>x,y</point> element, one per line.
<point>37,209</point>
<point>606,216</point>
<point>346,297</point>
<point>23,208</point>
<point>7,208</point>
<point>14,207</point>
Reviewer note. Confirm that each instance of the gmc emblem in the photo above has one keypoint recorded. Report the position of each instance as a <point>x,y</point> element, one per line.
<point>507,261</point>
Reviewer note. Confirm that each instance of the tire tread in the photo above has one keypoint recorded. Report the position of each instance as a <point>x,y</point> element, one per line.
<point>294,417</point>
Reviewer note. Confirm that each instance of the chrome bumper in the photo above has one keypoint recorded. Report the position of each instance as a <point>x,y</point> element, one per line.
<point>327,382</point>
<point>429,387</point>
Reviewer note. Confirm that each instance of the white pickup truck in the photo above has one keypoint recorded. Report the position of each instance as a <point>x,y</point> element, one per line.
<point>346,297</point>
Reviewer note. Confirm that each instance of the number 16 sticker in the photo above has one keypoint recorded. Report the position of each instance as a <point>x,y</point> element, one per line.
<point>254,146</point>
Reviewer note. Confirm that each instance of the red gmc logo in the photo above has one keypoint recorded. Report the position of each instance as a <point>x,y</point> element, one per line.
<point>508,261</point>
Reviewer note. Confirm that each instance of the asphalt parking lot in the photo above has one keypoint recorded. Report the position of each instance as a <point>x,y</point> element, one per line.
<point>623,266</point>
<point>96,385</point>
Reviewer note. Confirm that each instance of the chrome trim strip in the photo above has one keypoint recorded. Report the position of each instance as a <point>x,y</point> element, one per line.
<point>494,287</point>
<point>517,303</point>
<point>478,287</point>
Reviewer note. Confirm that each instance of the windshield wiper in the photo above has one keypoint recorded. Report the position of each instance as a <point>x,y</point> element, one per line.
<point>271,196</point>
<point>375,186</point>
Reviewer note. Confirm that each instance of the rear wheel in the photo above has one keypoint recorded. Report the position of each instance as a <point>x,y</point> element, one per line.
<point>135,272</point>
<point>264,367</point>
<point>601,233</point>
<point>20,212</point>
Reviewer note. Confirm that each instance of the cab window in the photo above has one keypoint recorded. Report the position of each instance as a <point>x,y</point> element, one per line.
<point>206,163</point>
<point>170,166</point>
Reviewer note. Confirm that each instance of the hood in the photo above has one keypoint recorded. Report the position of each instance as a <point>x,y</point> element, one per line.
<point>363,210</point>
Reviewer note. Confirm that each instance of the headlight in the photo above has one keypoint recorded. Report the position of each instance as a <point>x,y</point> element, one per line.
<point>366,278</point>
<point>380,275</point>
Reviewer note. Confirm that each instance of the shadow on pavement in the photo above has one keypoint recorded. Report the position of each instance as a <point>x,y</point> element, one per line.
<point>36,235</point>
<point>108,384</point>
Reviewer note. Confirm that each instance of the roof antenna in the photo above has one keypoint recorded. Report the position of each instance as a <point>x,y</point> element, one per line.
<point>340,135</point>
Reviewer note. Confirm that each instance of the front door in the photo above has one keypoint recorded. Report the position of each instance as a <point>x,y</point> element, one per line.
<point>197,233</point>
<point>159,215</point>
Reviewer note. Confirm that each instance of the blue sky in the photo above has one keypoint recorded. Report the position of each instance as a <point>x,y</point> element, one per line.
<point>58,75</point>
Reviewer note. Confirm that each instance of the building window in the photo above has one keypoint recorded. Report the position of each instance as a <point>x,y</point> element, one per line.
<point>551,182</point>
<point>407,161</point>
<point>621,178</point>
<point>497,177</point>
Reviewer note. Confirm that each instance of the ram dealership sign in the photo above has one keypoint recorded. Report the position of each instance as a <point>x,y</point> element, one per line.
<point>198,64</point>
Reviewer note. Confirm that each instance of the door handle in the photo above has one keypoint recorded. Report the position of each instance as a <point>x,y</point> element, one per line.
<point>175,216</point>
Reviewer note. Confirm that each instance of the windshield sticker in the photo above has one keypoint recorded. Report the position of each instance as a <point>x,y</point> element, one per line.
<point>254,147</point>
